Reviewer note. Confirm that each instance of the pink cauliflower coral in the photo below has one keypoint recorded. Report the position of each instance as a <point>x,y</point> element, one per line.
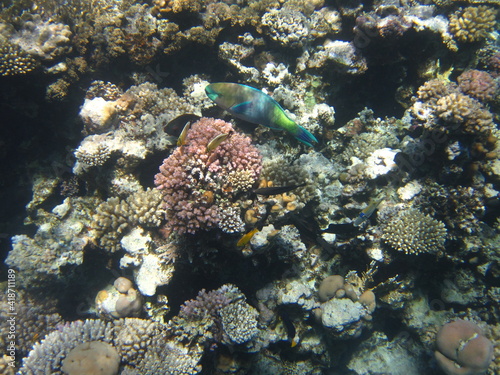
<point>478,84</point>
<point>195,180</point>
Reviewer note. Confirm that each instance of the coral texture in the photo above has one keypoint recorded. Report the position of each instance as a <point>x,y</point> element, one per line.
<point>413,232</point>
<point>220,315</point>
<point>473,23</point>
<point>116,217</point>
<point>478,84</point>
<point>14,61</point>
<point>463,349</point>
<point>194,179</point>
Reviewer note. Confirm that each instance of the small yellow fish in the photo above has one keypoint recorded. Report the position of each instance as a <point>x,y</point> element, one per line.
<point>367,211</point>
<point>217,140</point>
<point>182,137</point>
<point>247,237</point>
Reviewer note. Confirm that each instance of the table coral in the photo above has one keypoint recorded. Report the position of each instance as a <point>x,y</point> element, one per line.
<point>191,171</point>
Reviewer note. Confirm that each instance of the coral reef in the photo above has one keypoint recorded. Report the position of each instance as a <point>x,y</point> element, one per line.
<point>246,253</point>
<point>194,180</point>
<point>120,300</point>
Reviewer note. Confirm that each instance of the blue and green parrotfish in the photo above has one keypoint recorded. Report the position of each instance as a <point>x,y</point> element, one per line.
<point>252,105</point>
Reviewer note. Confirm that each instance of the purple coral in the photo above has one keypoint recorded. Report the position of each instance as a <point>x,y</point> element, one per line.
<point>462,349</point>
<point>478,84</point>
<point>193,179</point>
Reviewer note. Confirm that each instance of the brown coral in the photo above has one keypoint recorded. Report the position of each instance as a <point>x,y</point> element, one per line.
<point>472,24</point>
<point>14,61</point>
<point>478,84</point>
<point>459,110</point>
<point>435,89</point>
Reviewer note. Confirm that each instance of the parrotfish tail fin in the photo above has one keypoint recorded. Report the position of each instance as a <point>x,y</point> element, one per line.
<point>305,136</point>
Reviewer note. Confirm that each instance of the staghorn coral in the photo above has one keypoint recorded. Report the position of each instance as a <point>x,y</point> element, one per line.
<point>14,61</point>
<point>413,232</point>
<point>193,180</point>
<point>472,24</point>
<point>478,84</point>
<point>115,217</point>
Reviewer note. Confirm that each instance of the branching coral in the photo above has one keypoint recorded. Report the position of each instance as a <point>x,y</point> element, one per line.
<point>195,180</point>
<point>413,232</point>
<point>14,61</point>
<point>220,315</point>
<point>465,112</point>
<point>472,24</point>
<point>115,217</point>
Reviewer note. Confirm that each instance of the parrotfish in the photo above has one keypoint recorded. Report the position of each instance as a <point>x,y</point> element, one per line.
<point>252,105</point>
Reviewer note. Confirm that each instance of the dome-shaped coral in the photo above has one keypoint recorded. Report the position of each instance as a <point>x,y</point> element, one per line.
<point>413,232</point>
<point>478,84</point>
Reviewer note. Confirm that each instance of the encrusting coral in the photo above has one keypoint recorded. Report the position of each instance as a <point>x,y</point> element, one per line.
<point>195,180</point>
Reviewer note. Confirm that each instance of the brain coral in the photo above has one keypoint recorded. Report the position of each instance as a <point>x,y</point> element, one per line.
<point>473,23</point>
<point>195,181</point>
<point>413,232</point>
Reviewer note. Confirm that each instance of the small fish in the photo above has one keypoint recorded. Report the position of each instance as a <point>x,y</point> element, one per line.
<point>217,140</point>
<point>252,105</point>
<point>175,126</point>
<point>247,237</point>
<point>291,332</point>
<point>273,190</point>
<point>182,137</point>
<point>367,212</point>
